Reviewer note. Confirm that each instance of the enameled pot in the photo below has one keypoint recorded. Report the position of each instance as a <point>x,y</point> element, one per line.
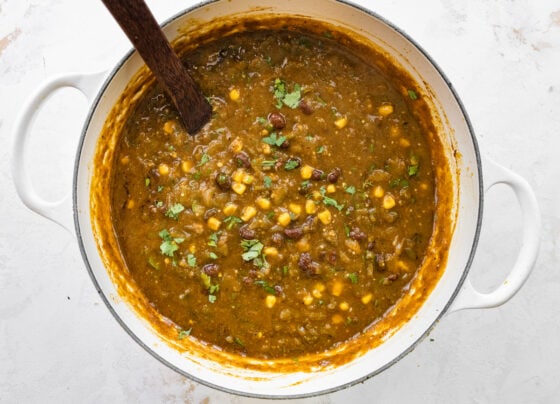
<point>453,292</point>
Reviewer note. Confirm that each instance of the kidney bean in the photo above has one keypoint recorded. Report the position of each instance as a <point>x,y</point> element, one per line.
<point>317,175</point>
<point>223,181</point>
<point>277,238</point>
<point>211,269</point>
<point>246,233</point>
<point>307,265</point>
<point>293,233</point>
<point>242,159</point>
<point>305,107</point>
<point>334,175</point>
<point>277,120</point>
<point>357,234</point>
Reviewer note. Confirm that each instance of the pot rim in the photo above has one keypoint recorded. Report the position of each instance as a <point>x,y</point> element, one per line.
<point>362,379</point>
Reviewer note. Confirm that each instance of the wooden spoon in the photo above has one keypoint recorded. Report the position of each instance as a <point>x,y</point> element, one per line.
<point>142,29</point>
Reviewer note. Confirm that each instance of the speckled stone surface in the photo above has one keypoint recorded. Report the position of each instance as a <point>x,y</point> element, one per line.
<point>59,343</point>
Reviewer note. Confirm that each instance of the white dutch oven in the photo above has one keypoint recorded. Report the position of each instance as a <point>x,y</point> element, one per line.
<point>453,292</point>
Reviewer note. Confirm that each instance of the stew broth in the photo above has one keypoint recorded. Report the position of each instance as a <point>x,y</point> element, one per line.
<point>297,217</point>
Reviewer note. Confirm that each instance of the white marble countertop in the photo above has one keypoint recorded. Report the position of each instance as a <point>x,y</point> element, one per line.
<point>58,341</point>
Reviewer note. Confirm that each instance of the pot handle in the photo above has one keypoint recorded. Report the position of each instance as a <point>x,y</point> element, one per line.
<point>469,297</point>
<point>59,211</point>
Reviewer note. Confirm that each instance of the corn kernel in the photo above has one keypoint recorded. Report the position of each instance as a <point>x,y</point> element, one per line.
<point>270,301</point>
<point>385,109</point>
<point>325,216</point>
<point>247,179</point>
<point>310,207</point>
<point>336,289</point>
<point>259,334</point>
<point>187,165</point>
<point>316,195</point>
<point>125,160</point>
<point>130,204</point>
<point>270,251</point>
<point>307,300</point>
<point>337,319</point>
<point>389,201</point>
<point>404,142</point>
<point>264,132</point>
<point>236,145</point>
<point>266,149</point>
<point>316,293</point>
<point>163,169</point>
<point>192,248</point>
<point>238,175</point>
<point>239,188</point>
<point>294,208</point>
<point>424,186</point>
<point>341,122</point>
<point>248,213</point>
<point>263,203</point>
<point>367,298</point>
<point>303,244</point>
<point>306,172</point>
<point>320,286</point>
<point>169,127</point>
<point>378,191</point>
<point>230,209</point>
<point>214,223</point>
<point>331,189</point>
<point>234,94</point>
<point>344,306</point>
<point>284,219</point>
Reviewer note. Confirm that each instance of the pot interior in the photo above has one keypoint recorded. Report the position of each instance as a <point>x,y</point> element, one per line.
<point>463,163</point>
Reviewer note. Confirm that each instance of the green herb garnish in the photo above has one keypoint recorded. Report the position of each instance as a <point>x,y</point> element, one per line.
<point>191,260</point>
<point>291,165</point>
<point>274,140</point>
<point>264,284</point>
<point>350,190</point>
<point>232,221</point>
<point>169,244</point>
<point>412,94</point>
<point>173,211</point>
<point>267,181</point>
<point>184,333</point>
<point>353,277</point>
<point>203,160</point>
<point>283,97</point>
<point>412,170</point>
<point>328,201</point>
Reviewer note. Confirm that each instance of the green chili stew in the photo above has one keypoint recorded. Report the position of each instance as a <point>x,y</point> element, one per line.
<point>297,217</point>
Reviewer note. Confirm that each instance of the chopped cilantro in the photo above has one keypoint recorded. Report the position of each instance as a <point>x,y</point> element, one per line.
<point>328,201</point>
<point>346,230</point>
<point>252,248</point>
<point>232,221</point>
<point>159,204</point>
<point>213,255</point>
<point>160,188</point>
<point>173,211</point>
<point>213,239</point>
<point>184,333</point>
<point>291,164</point>
<point>412,170</point>
<point>203,160</point>
<point>320,149</point>
<point>212,298</point>
<point>350,190</point>
<point>147,181</point>
<point>264,284</point>
<point>169,244</point>
<point>283,97</point>
<point>353,277</point>
<point>191,260</point>
<point>274,140</point>
<point>267,181</point>
<point>268,163</point>
<point>412,94</point>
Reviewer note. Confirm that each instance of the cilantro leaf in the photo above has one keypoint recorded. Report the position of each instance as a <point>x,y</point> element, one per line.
<point>328,201</point>
<point>184,333</point>
<point>191,260</point>
<point>203,160</point>
<point>274,140</point>
<point>173,211</point>
<point>412,170</point>
<point>232,221</point>
<point>170,244</point>
<point>350,190</point>
<point>267,181</point>
<point>353,277</point>
<point>283,97</point>
<point>291,165</point>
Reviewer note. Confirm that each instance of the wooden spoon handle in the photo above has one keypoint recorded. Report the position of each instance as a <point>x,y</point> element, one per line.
<point>138,23</point>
